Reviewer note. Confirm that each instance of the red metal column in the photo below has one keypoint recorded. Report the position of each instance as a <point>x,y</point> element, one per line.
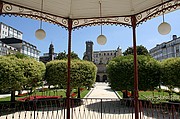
<point>1,6</point>
<point>69,67</point>
<point>136,102</point>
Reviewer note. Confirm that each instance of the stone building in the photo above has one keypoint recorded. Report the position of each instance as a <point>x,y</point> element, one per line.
<point>7,31</point>
<point>48,56</point>
<point>13,45</point>
<point>100,59</point>
<point>166,49</point>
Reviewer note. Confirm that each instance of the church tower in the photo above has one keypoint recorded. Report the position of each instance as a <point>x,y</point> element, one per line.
<point>51,52</point>
<point>89,51</point>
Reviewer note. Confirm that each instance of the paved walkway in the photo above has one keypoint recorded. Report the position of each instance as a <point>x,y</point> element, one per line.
<point>102,90</point>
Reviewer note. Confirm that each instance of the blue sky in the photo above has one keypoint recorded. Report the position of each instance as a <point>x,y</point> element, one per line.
<point>147,34</point>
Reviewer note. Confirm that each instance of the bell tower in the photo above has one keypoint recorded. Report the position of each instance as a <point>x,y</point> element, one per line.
<point>51,52</point>
<point>89,51</point>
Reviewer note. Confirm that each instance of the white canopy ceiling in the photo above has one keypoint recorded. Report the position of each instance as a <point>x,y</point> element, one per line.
<point>87,12</point>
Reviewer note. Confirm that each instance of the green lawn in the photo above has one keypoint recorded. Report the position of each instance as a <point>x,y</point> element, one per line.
<point>155,96</point>
<point>120,93</point>
<point>84,93</point>
<point>58,92</point>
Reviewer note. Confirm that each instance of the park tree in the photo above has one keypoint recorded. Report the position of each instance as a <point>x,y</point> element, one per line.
<point>33,72</point>
<point>170,73</point>
<point>15,73</point>
<point>11,75</point>
<point>19,55</point>
<point>121,73</point>
<point>83,73</point>
<point>141,50</point>
<point>63,55</point>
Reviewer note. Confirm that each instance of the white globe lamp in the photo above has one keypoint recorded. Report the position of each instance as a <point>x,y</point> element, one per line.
<point>101,40</point>
<point>40,34</point>
<point>164,28</point>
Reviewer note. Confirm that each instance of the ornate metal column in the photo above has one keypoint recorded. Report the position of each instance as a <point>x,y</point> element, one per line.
<point>136,102</point>
<point>69,67</point>
<point>1,6</point>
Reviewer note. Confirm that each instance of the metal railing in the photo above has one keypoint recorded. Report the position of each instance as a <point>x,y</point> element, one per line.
<point>88,108</point>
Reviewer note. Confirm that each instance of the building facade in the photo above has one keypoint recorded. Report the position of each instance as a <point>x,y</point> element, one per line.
<point>100,59</point>
<point>48,56</point>
<point>6,49</point>
<point>13,44</point>
<point>9,32</point>
<point>166,49</point>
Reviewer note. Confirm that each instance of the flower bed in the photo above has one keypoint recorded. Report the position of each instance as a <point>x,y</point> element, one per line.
<point>31,98</point>
<point>21,95</point>
<point>74,94</point>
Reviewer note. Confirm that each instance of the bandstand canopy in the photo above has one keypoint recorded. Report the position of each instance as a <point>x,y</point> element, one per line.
<point>87,12</point>
<point>74,14</point>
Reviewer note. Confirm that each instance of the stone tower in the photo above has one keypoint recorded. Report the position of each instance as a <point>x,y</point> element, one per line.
<point>89,51</point>
<point>118,52</point>
<point>51,52</point>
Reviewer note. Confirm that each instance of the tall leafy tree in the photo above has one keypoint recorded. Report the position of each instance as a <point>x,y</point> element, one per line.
<point>11,74</point>
<point>170,73</point>
<point>83,73</point>
<point>121,72</point>
<point>141,50</point>
<point>63,55</point>
<point>33,72</point>
<point>18,73</point>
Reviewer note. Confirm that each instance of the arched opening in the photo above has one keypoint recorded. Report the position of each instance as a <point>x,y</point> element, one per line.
<point>104,78</point>
<point>97,78</point>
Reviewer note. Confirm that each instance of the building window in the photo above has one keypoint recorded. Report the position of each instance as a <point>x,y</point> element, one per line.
<point>177,49</point>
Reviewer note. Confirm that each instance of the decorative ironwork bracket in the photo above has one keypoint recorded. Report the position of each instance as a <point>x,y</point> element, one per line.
<point>10,9</point>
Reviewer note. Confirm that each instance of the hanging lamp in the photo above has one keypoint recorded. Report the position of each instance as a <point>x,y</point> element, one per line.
<point>101,39</point>
<point>164,28</point>
<point>40,33</point>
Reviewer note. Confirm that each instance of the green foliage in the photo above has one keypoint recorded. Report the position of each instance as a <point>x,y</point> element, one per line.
<point>34,72</point>
<point>170,72</point>
<point>11,73</point>
<point>149,73</point>
<point>83,73</point>
<point>19,55</point>
<point>141,50</point>
<point>63,56</point>
<point>121,73</point>
<point>15,73</point>
<point>56,73</point>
